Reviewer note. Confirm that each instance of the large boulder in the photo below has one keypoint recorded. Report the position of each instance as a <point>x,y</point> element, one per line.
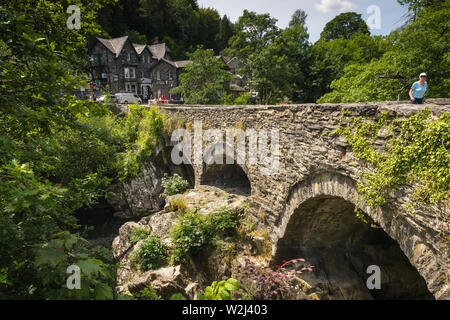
<point>140,196</point>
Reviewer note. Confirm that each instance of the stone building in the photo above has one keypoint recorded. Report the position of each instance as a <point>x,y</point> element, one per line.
<point>121,66</point>
<point>146,70</point>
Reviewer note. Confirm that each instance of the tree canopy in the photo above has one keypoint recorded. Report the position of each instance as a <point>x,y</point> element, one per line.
<point>181,23</point>
<point>422,46</point>
<point>344,26</point>
<point>204,80</point>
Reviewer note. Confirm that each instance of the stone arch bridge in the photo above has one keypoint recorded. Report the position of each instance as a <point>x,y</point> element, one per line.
<point>308,204</point>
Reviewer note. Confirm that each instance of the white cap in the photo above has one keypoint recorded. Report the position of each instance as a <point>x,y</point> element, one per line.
<point>423,74</point>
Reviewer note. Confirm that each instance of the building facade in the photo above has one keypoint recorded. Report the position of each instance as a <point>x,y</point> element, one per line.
<point>118,65</point>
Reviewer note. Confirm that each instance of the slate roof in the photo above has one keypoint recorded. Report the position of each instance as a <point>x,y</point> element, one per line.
<point>182,64</point>
<point>139,47</point>
<point>233,63</point>
<point>159,50</point>
<point>114,45</point>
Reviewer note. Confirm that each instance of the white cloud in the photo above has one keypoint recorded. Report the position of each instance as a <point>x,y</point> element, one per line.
<point>327,6</point>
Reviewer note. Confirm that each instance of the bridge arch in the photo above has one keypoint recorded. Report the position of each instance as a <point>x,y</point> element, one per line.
<point>227,172</point>
<point>320,226</point>
<point>164,165</point>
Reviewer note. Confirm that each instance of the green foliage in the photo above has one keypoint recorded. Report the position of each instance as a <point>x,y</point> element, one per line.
<point>274,61</point>
<point>178,296</point>
<point>180,23</point>
<point>344,26</point>
<point>52,259</point>
<point>221,222</point>
<point>243,99</point>
<point>174,185</point>
<point>178,204</point>
<point>330,58</point>
<point>415,154</point>
<point>253,33</point>
<point>147,294</point>
<point>57,153</point>
<point>220,290</point>
<point>188,235</point>
<point>203,80</point>
<point>137,234</point>
<point>422,46</point>
<point>194,231</point>
<point>151,254</point>
<point>144,130</point>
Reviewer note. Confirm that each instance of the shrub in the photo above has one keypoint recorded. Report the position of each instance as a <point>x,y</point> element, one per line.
<point>178,296</point>
<point>188,235</point>
<point>178,204</point>
<point>221,222</point>
<point>219,290</point>
<point>147,294</point>
<point>151,254</point>
<point>174,185</point>
<point>137,234</point>
<point>270,284</point>
<point>195,231</point>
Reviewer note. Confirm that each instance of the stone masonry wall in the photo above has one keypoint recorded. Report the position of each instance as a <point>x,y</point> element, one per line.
<point>314,163</point>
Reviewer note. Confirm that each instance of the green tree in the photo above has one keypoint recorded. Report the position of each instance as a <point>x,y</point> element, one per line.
<point>253,33</point>
<point>298,18</point>
<point>278,70</point>
<point>422,46</point>
<point>136,37</point>
<point>328,60</point>
<point>204,80</point>
<point>344,25</point>
<point>209,27</point>
<point>226,31</point>
<point>42,62</point>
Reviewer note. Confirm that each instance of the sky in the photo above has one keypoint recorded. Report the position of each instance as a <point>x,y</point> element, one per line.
<point>391,14</point>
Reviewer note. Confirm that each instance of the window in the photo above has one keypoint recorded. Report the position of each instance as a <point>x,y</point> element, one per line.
<point>130,73</point>
<point>170,75</point>
<point>158,75</point>
<point>148,59</point>
<point>142,74</point>
<point>129,56</point>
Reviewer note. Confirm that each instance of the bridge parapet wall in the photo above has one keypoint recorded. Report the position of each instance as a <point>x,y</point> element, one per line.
<point>309,153</point>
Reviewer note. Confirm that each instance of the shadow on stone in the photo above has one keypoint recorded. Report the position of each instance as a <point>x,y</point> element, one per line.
<point>326,232</point>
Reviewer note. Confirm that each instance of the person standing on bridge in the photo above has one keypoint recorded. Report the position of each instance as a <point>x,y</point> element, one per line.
<point>419,89</point>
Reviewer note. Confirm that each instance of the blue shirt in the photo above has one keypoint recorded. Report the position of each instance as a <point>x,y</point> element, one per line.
<point>418,90</point>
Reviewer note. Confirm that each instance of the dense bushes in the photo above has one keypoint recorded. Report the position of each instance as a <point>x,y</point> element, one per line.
<point>195,231</point>
<point>415,154</point>
<point>174,185</point>
<point>138,234</point>
<point>151,254</point>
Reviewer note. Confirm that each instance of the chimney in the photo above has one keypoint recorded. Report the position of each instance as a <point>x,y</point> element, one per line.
<point>156,40</point>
